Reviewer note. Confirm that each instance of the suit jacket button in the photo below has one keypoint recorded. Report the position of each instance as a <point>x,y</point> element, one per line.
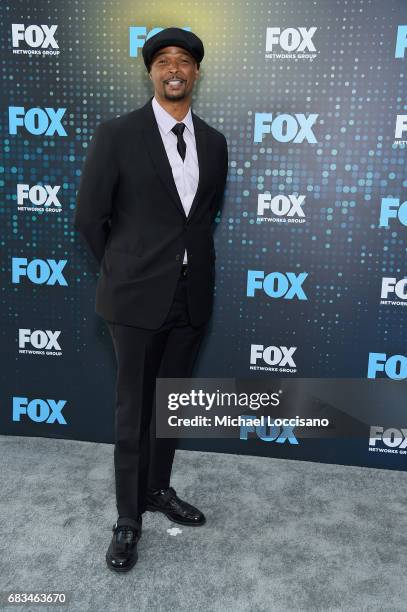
<point>177,256</point>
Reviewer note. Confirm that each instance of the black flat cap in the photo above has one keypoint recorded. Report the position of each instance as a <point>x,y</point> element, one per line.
<point>172,37</point>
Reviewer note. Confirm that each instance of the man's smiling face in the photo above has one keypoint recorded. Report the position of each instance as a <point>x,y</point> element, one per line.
<point>173,71</point>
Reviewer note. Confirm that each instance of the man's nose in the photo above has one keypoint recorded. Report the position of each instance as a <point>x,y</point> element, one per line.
<point>174,64</point>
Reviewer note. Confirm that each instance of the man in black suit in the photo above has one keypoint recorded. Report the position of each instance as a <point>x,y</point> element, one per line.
<point>152,183</point>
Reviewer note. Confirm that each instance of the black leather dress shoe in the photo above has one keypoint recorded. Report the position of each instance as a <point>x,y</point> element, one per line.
<point>122,554</point>
<point>174,508</point>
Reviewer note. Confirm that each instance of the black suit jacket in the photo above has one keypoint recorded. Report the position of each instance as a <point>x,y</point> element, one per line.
<point>132,219</point>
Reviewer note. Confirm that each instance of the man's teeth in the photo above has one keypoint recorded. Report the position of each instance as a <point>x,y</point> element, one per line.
<point>174,81</point>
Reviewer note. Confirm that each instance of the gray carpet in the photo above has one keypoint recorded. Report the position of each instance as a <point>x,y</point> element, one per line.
<point>280,535</point>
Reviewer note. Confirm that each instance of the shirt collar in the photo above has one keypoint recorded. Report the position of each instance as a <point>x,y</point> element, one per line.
<point>167,121</point>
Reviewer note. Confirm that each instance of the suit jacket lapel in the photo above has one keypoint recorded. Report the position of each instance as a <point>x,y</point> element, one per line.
<point>156,149</point>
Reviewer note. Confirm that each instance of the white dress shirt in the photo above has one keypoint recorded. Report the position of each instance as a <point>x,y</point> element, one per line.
<point>185,173</point>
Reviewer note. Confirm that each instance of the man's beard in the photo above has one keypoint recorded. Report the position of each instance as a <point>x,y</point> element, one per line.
<point>174,96</point>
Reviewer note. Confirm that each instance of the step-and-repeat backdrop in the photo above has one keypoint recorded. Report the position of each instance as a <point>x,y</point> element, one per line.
<point>311,243</point>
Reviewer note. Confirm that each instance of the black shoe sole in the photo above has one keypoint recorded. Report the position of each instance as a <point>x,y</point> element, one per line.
<point>169,517</point>
<point>122,569</point>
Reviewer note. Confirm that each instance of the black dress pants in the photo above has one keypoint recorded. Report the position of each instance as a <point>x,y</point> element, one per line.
<point>140,459</point>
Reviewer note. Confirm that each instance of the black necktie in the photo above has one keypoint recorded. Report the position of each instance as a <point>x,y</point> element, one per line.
<point>181,145</point>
